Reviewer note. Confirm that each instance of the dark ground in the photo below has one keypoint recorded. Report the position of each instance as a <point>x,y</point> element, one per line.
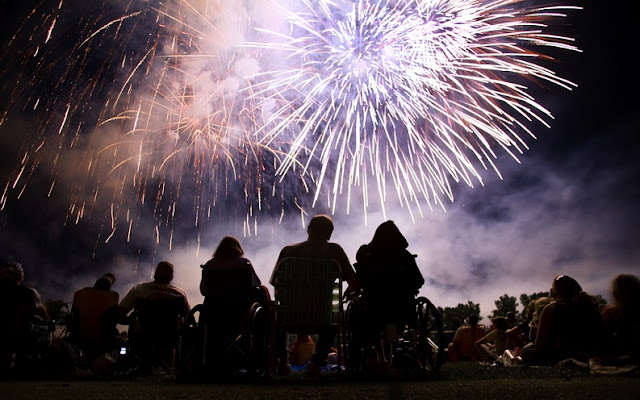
<point>456,381</point>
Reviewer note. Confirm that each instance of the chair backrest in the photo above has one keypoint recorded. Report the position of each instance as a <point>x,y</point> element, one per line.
<point>230,292</point>
<point>228,282</point>
<point>160,318</point>
<point>308,292</point>
<point>90,308</point>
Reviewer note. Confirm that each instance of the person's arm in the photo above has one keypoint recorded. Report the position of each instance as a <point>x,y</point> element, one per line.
<point>40,309</point>
<point>457,338</point>
<point>125,306</point>
<point>255,279</point>
<point>486,339</point>
<point>348,273</point>
<point>273,273</point>
<point>543,334</point>
<point>204,281</point>
<point>187,307</point>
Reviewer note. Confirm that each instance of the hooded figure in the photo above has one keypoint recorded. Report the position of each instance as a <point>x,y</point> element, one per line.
<point>389,276</point>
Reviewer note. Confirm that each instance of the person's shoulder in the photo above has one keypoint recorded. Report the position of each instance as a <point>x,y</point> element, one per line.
<point>549,309</point>
<point>243,261</point>
<point>335,246</point>
<point>178,289</point>
<point>144,285</point>
<point>83,291</point>
<point>29,291</point>
<point>610,311</point>
<point>24,292</point>
<point>293,250</point>
<point>294,246</point>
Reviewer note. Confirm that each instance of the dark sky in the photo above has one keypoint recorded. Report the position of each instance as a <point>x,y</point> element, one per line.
<point>570,206</point>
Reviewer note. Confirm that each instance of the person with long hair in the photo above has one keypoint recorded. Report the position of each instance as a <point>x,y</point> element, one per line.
<point>569,327</point>
<point>229,255</point>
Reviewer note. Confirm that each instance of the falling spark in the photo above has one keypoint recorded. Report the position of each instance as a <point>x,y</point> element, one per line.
<point>214,109</point>
<point>420,92</point>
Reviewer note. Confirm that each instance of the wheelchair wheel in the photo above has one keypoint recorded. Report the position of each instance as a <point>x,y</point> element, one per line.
<point>430,336</point>
<point>260,329</point>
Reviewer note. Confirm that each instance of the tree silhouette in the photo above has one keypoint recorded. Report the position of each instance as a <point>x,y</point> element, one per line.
<point>453,317</point>
<point>504,304</point>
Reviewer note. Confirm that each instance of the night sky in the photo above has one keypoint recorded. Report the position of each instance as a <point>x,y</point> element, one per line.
<point>569,207</point>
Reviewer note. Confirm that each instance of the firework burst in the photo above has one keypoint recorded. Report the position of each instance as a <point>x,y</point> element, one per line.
<point>145,106</point>
<point>421,91</point>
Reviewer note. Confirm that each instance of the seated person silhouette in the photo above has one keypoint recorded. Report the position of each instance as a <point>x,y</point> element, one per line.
<point>229,277</point>
<point>494,343</point>
<point>158,308</point>
<point>623,317</point>
<point>390,280</point>
<point>230,286</point>
<point>24,318</point>
<point>317,245</point>
<point>93,314</point>
<point>570,327</point>
<point>462,347</point>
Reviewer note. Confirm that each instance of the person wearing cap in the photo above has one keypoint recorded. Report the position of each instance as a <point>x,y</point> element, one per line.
<point>93,314</point>
<point>21,309</point>
<point>569,327</point>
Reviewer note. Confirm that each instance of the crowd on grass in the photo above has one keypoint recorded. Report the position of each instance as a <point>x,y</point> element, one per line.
<point>568,324</point>
<point>383,283</point>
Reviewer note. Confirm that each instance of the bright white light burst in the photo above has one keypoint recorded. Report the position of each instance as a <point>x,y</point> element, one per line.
<point>420,91</point>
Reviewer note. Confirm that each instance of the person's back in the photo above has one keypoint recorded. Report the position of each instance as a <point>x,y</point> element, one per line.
<point>159,288</point>
<point>230,284</point>
<point>623,316</point>
<point>577,329</point>
<point>158,308</point>
<point>462,346</point>
<point>24,316</point>
<point>316,246</point>
<point>389,276</point>
<point>94,311</point>
<point>19,306</point>
<point>569,327</point>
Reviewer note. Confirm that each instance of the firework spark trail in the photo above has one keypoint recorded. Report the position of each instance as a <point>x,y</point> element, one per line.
<point>154,107</point>
<point>172,127</point>
<point>419,90</point>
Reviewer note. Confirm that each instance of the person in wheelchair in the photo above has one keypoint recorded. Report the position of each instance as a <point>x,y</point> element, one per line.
<point>229,283</point>
<point>389,281</point>
<point>233,293</point>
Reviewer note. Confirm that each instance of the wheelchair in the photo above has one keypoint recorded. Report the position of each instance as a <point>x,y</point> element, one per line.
<point>228,335</point>
<point>418,347</point>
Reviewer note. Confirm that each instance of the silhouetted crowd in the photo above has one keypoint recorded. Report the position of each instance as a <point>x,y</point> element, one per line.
<point>239,326</point>
<point>567,325</point>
